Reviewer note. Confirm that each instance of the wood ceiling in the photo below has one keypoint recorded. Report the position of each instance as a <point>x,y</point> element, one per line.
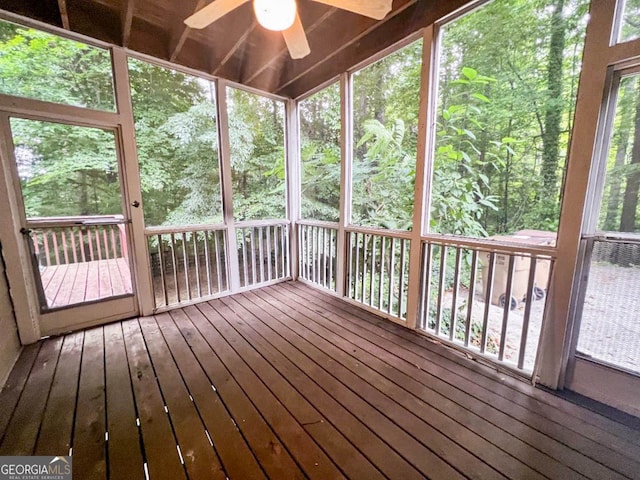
<point>235,47</point>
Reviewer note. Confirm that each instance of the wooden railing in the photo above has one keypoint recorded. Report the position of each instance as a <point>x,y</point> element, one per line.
<point>78,239</point>
<point>484,297</point>
<point>187,263</point>
<point>318,251</point>
<point>378,269</point>
<point>263,252</point>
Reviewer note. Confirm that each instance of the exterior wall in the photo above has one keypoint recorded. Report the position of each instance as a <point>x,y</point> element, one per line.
<point>9,342</point>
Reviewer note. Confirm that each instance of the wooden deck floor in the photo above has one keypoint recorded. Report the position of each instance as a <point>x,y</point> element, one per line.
<point>72,283</point>
<point>287,382</point>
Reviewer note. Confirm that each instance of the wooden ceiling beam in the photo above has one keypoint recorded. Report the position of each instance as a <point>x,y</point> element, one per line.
<point>298,70</point>
<point>64,15</point>
<point>239,43</point>
<point>413,18</point>
<point>180,33</point>
<point>126,19</point>
<point>285,51</point>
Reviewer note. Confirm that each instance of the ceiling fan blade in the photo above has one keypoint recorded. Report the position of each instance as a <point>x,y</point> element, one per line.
<point>296,39</point>
<point>212,12</point>
<point>377,9</point>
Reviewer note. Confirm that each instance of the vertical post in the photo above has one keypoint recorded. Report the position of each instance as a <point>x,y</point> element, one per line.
<point>23,289</point>
<point>293,177</point>
<point>558,336</point>
<point>233,267</point>
<point>426,129</point>
<point>131,182</point>
<point>346,110</point>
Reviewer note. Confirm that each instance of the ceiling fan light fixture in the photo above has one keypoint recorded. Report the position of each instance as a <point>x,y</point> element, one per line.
<point>277,15</point>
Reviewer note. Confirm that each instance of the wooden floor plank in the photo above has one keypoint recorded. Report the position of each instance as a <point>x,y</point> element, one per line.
<point>22,431</point>
<point>287,382</point>
<point>13,387</point>
<point>267,447</point>
<point>157,433</point>
<point>419,419</point>
<point>125,274</point>
<point>354,433</point>
<point>199,457</point>
<point>66,286</point>
<point>498,448</point>
<point>105,282</point>
<point>124,452</point>
<point>579,419</point>
<point>92,291</point>
<point>309,456</point>
<point>550,437</point>
<point>89,442</point>
<point>55,283</point>
<point>79,290</point>
<point>236,456</point>
<point>57,424</point>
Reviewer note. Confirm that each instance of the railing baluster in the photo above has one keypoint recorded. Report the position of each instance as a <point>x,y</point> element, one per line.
<point>454,296</point>
<point>269,257</point>
<point>106,242</point>
<point>218,260</point>
<point>64,245</point>
<point>261,253</point>
<point>487,306</point>
<point>98,247</point>
<point>314,254</point>
<point>276,251</point>
<point>392,270</point>
<point>207,259</point>
<point>245,267</point>
<point>163,274</point>
<point>441,285</point>
<point>425,302</point>
<point>472,291</point>
<point>81,241</point>
<point>372,270</point>
<point>363,275</point>
<point>254,274</point>
<point>286,257</point>
<point>332,257</point>
<point>383,243</point>
<point>72,237</point>
<point>174,262</point>
<point>507,307</point>
<point>197,262</point>
<point>55,245</point>
<point>325,254</point>
<point>527,311</point>
<point>185,261</point>
<point>114,244</point>
<point>45,237</point>
<point>403,276</point>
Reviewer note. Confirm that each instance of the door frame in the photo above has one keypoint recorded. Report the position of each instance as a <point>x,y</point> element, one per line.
<point>32,325</point>
<point>605,61</point>
<point>58,320</point>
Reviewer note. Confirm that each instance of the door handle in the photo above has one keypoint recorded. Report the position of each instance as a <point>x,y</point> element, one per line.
<point>135,204</point>
<point>25,231</point>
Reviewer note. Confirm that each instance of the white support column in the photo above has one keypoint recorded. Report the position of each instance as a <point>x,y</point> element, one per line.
<point>558,328</point>
<point>21,285</point>
<point>131,177</point>
<point>293,169</point>
<point>426,129</point>
<point>226,183</point>
<point>346,104</point>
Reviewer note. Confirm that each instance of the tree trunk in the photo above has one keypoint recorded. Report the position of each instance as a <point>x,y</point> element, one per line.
<point>630,202</point>
<point>84,195</point>
<point>554,104</point>
<point>626,96</point>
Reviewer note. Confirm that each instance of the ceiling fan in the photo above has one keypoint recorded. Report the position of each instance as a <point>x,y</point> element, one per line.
<point>282,16</point>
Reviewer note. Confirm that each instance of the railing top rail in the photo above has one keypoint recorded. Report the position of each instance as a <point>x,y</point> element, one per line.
<point>161,230</point>
<point>74,221</point>
<point>318,223</point>
<point>381,232</point>
<point>262,223</point>
<point>633,238</point>
<point>489,245</point>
